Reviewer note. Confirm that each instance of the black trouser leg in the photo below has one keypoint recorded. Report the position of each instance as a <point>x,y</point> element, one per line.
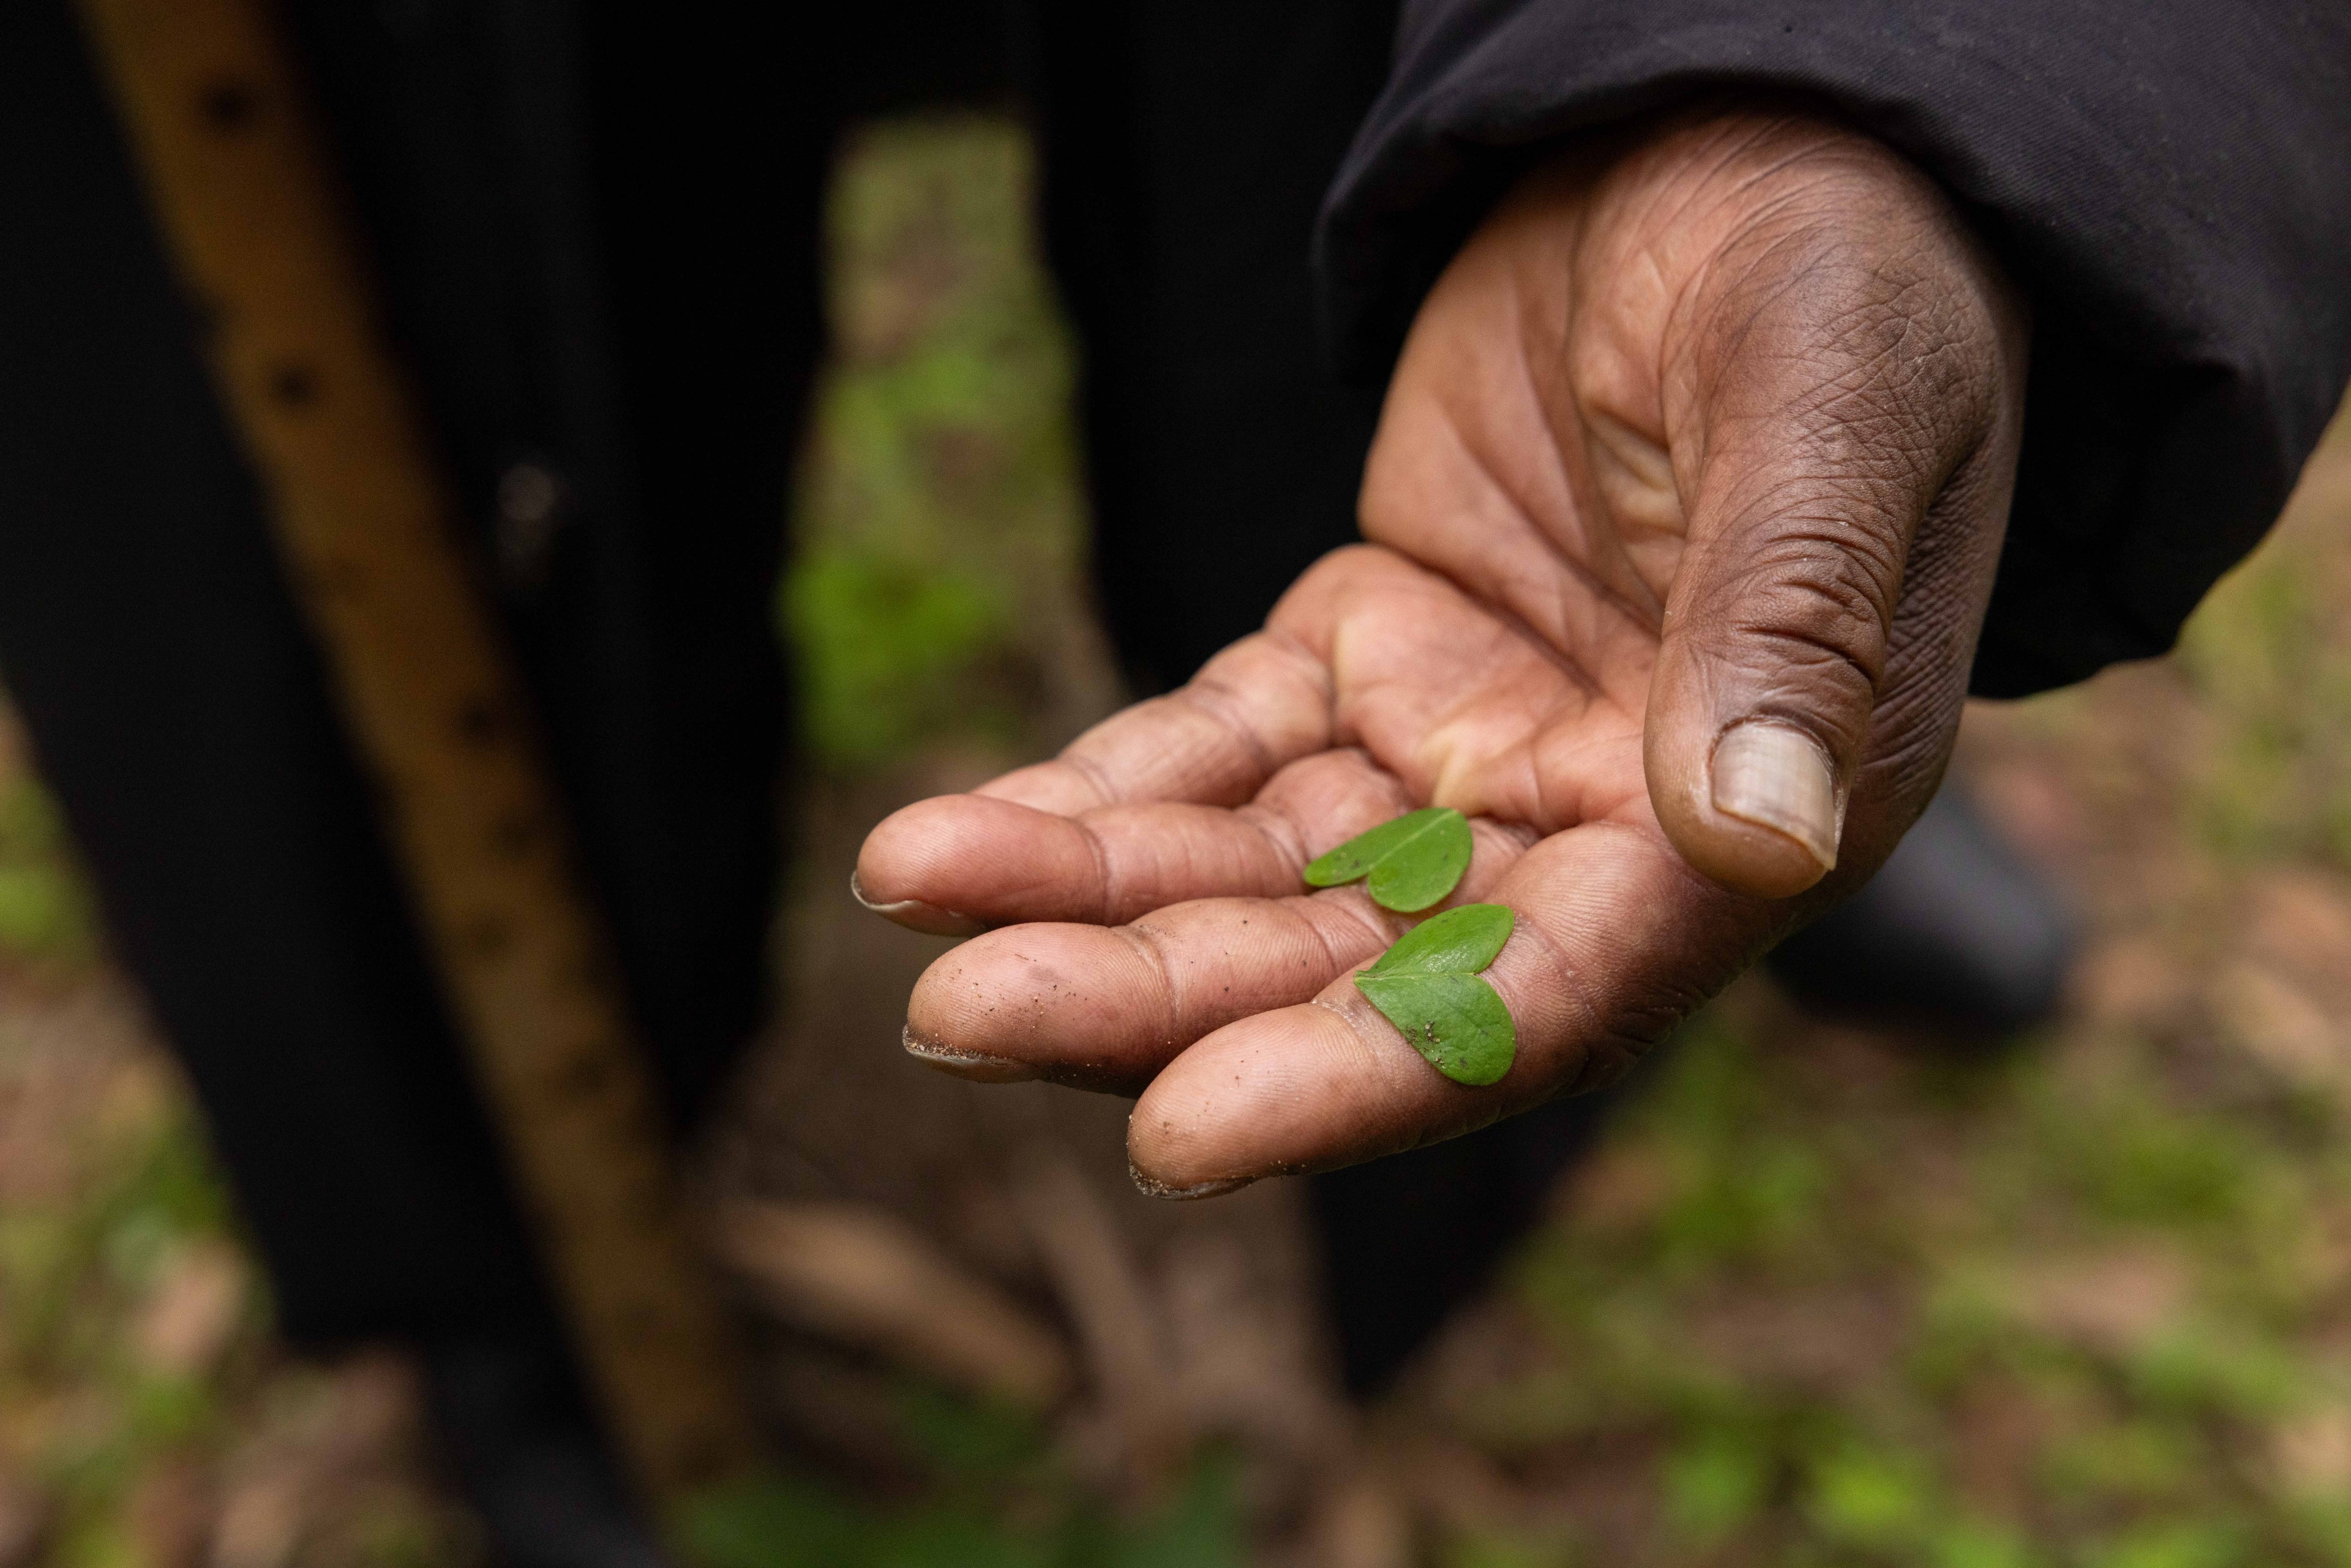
<point>711,145</point>
<point>1407,1239</point>
<point>1187,146</point>
<point>177,707</point>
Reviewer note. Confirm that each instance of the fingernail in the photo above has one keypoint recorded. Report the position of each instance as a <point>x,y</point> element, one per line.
<point>977,1065</point>
<point>1776,778</point>
<point>913,914</point>
<point>1152,1186</point>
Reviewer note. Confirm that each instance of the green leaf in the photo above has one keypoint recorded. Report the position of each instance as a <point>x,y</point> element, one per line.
<point>1427,986</point>
<point>1458,1021</point>
<point>1458,942</point>
<point>1412,862</point>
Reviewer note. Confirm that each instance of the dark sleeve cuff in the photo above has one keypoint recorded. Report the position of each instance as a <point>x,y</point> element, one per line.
<point>2168,180</point>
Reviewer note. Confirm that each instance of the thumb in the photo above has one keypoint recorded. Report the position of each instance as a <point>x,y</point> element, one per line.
<point>1841,405</point>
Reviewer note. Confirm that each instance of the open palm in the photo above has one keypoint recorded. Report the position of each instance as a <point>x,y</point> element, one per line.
<point>1683,513</point>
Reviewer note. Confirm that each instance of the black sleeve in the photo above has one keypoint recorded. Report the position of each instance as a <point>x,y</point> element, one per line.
<point>2170,180</point>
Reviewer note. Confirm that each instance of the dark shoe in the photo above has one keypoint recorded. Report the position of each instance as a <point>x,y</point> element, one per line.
<point>1955,936</point>
<point>529,1458</point>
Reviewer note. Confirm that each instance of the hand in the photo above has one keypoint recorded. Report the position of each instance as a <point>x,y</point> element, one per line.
<point>1682,514</point>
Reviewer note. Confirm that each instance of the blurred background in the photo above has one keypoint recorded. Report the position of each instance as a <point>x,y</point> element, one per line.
<point>1822,1297</point>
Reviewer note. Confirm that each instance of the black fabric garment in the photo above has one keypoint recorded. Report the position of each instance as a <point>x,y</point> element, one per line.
<point>2170,180</point>
<point>556,197</point>
<point>1185,150</point>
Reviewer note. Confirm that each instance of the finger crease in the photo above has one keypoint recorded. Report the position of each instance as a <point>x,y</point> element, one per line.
<point>1096,778</point>
<point>1141,939</point>
<point>1218,701</point>
<point>1312,667</point>
<point>1102,880</point>
<point>1281,832</point>
<point>1344,905</point>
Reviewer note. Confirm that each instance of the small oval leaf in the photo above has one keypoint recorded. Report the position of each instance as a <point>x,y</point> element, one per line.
<point>1458,942</point>
<point>1412,862</point>
<point>1458,1021</point>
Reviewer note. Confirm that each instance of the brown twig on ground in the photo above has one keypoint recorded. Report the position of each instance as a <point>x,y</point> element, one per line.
<point>858,1276</point>
<point>1103,1291</point>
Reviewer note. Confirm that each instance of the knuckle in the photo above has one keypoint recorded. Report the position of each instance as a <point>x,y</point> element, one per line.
<point>1853,294</point>
<point>1794,663</point>
<point>1829,566</point>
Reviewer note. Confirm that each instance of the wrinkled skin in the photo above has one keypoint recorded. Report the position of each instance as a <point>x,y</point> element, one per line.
<point>1715,425</point>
